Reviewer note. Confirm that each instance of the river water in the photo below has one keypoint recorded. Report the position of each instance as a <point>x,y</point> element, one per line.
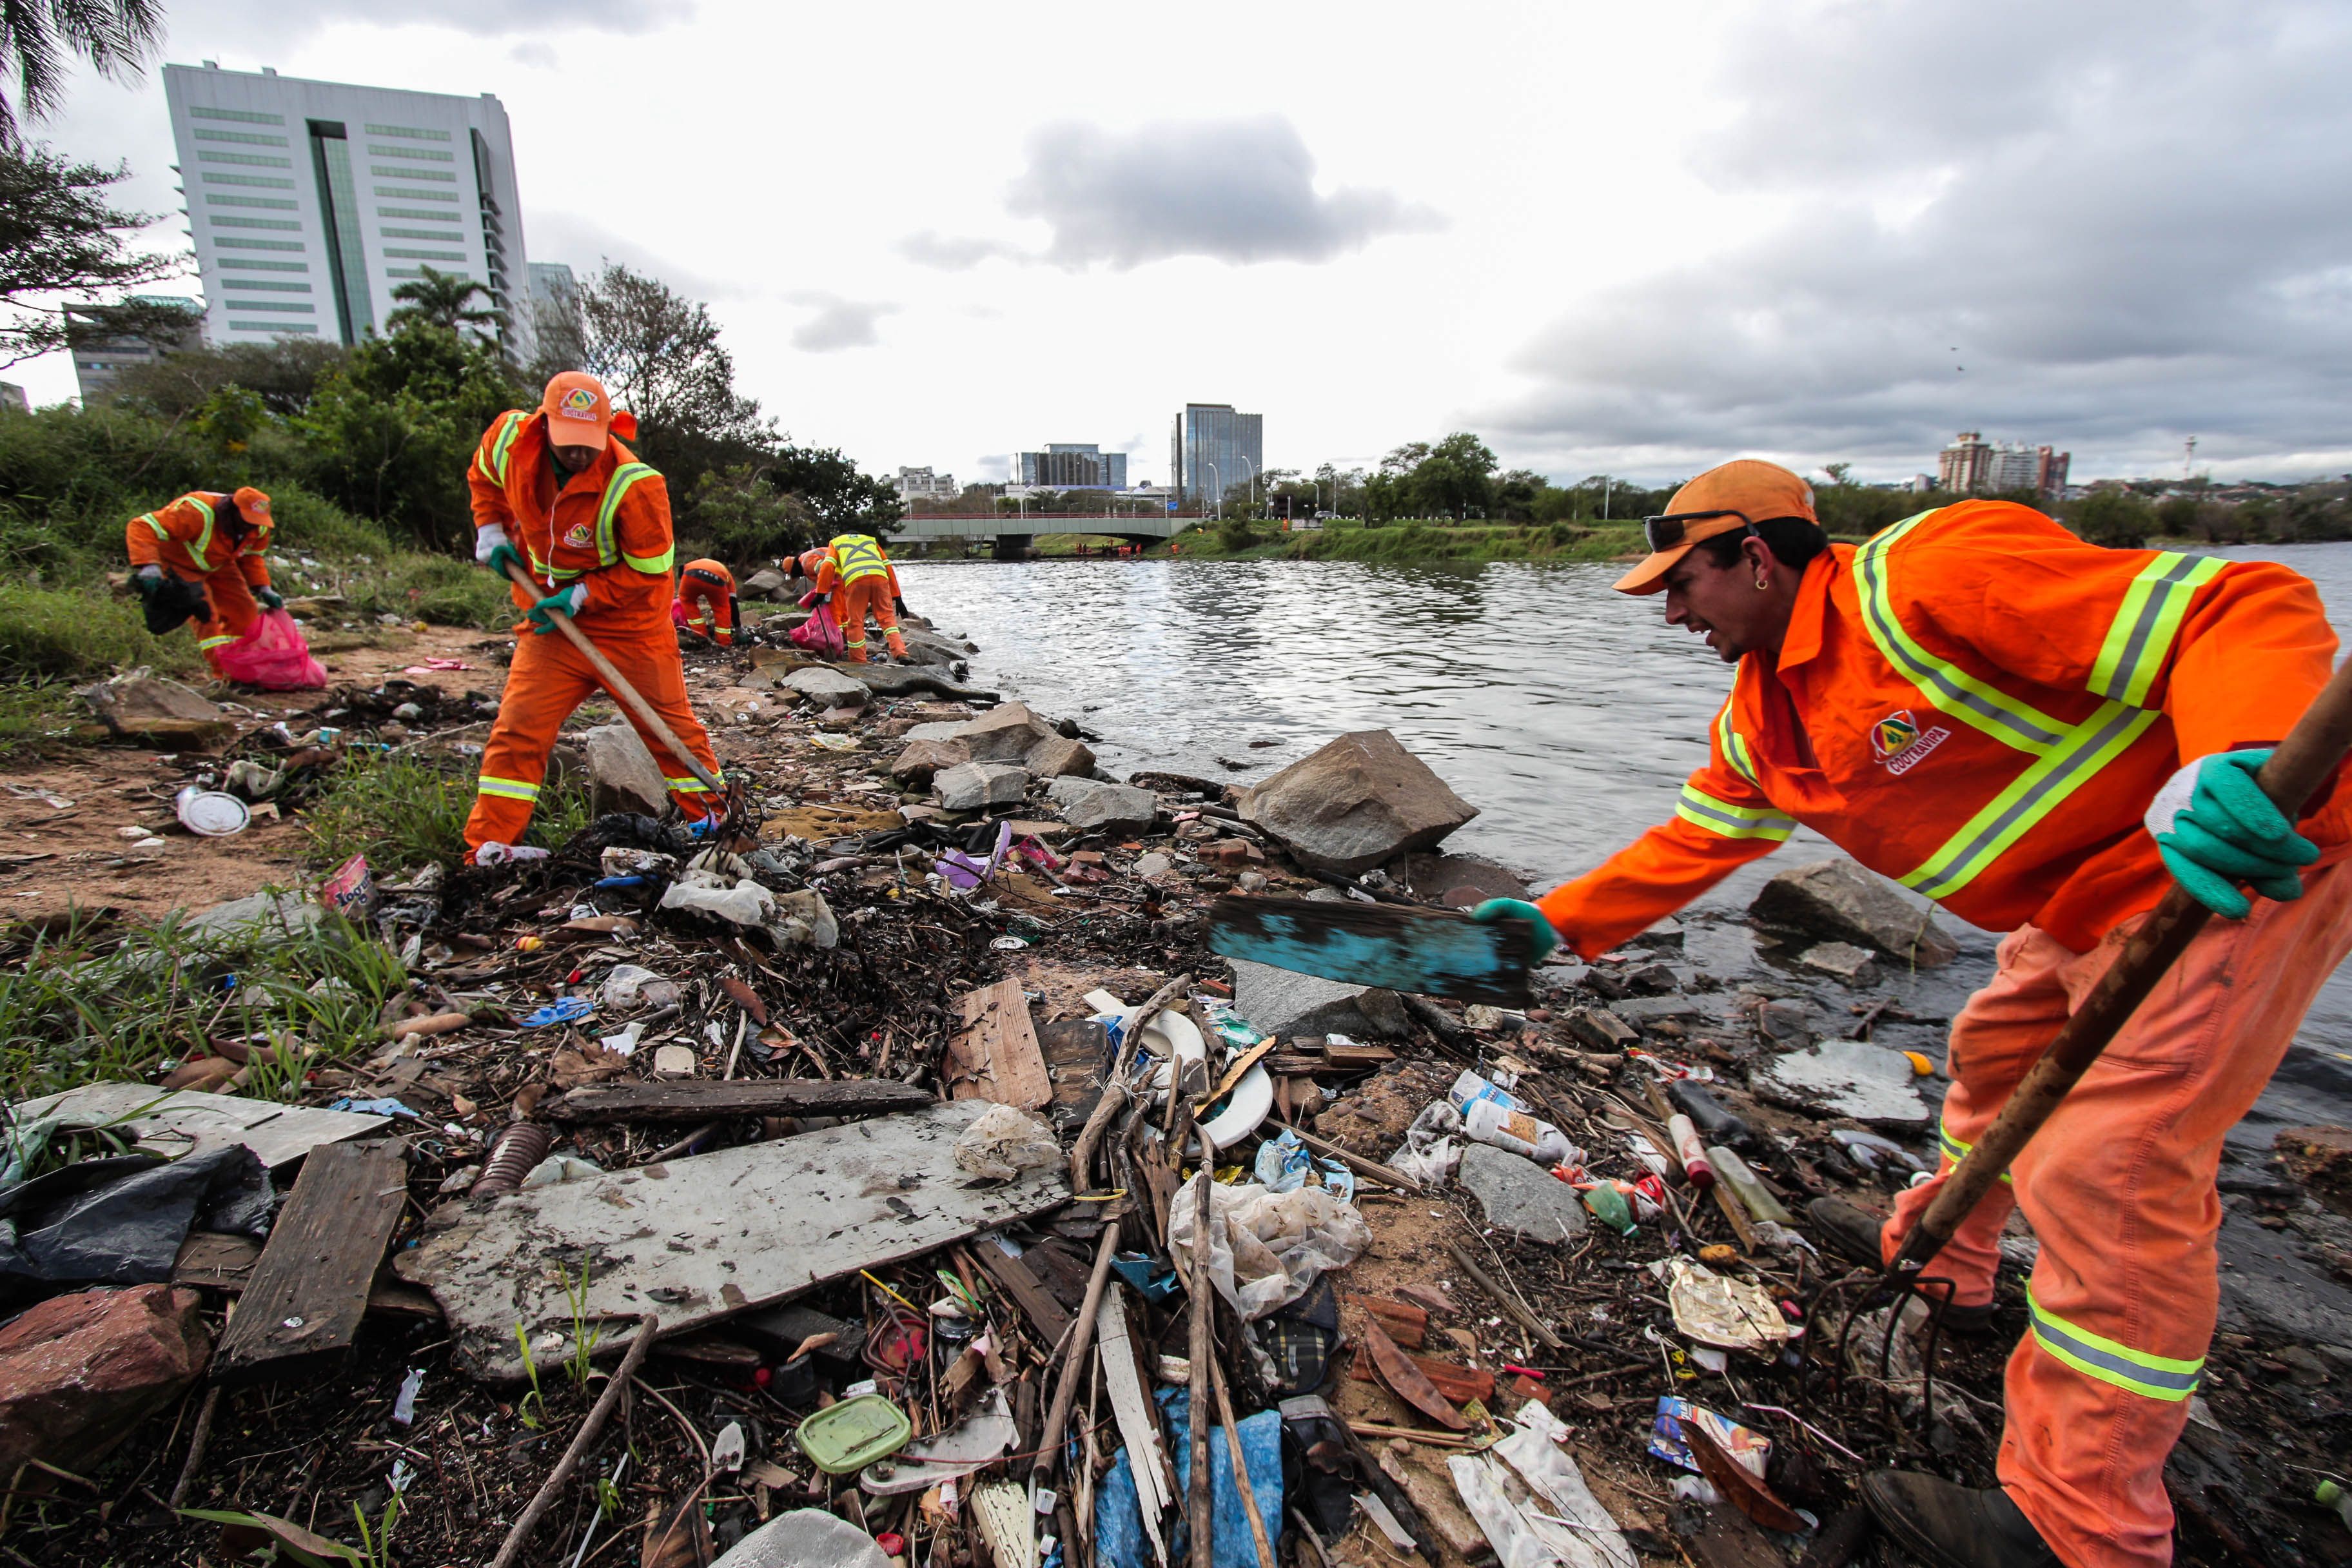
<point>1568,714</point>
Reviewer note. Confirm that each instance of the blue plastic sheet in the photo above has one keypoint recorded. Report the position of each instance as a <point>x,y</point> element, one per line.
<point>1119,1540</point>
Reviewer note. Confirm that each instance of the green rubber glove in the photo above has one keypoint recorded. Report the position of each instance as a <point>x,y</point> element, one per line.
<point>2215,828</point>
<point>1539,943</point>
<point>502,557</point>
<point>568,600</point>
<point>270,598</point>
<point>145,581</point>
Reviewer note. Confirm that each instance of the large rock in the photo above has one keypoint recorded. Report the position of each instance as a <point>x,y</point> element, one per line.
<point>622,774</point>
<point>1096,807</point>
<point>1460,880</point>
<point>975,786</point>
<point>1875,1084</point>
<point>1358,803</point>
<point>767,583</point>
<point>922,759</point>
<point>79,1372</point>
<point>1520,1197</point>
<point>1284,1001</point>
<point>1005,733</point>
<point>1057,755</point>
<point>828,686</point>
<point>1837,900</point>
<point>905,680</point>
<point>140,706</point>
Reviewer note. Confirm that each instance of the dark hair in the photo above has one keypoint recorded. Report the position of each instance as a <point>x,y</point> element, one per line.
<point>1791,539</point>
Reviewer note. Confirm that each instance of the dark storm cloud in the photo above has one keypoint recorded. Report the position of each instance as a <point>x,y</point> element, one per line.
<point>2128,232</point>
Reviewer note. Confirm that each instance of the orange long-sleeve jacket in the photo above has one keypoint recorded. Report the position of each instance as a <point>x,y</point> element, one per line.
<point>1981,706</point>
<point>607,526</point>
<point>199,534</point>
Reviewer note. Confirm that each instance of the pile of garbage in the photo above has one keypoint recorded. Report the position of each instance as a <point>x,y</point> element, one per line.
<point>910,1183</point>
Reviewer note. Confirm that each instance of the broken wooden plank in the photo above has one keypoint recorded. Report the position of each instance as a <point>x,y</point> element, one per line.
<point>1138,1422</point>
<point>303,1302</point>
<point>995,1056</point>
<point>701,1239</point>
<point>1430,952</point>
<point>1046,1316</point>
<point>704,1099</point>
<point>170,1122</point>
<point>224,1263</point>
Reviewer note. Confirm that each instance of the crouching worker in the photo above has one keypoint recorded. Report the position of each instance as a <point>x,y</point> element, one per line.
<point>200,559</point>
<point>706,604</point>
<point>556,494</point>
<point>854,577</point>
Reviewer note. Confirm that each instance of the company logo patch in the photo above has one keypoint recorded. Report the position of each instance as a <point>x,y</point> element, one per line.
<point>578,404</point>
<point>578,536</point>
<point>1896,740</point>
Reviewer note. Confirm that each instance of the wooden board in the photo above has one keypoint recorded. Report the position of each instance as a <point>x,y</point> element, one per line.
<point>1138,1419</point>
<point>702,1100</point>
<point>304,1300</point>
<point>224,1263</point>
<point>1429,952</point>
<point>995,1056</point>
<point>172,1121</point>
<point>696,1240</point>
<point>1048,1318</point>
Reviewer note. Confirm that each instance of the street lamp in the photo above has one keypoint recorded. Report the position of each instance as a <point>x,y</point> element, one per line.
<point>1217,484</point>
<point>1253,481</point>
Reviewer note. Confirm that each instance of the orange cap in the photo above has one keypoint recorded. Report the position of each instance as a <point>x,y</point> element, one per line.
<point>578,412</point>
<point>1744,491</point>
<point>812,561</point>
<point>252,505</point>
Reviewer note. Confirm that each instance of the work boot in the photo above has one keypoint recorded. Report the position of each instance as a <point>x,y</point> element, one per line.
<point>1852,1232</point>
<point>1953,1526</point>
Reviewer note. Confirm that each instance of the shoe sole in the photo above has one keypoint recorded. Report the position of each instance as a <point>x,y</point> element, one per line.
<point>1898,1525</point>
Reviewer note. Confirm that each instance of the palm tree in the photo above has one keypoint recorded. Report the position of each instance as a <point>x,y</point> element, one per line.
<point>39,40</point>
<point>441,299</point>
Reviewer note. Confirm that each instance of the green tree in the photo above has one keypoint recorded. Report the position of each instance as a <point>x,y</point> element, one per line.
<point>443,300</point>
<point>837,495</point>
<point>284,373</point>
<point>745,517</point>
<point>2112,515</point>
<point>62,243</point>
<point>659,353</point>
<point>41,40</point>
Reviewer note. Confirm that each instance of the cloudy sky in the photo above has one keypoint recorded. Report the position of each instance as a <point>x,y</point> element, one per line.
<point>1608,237</point>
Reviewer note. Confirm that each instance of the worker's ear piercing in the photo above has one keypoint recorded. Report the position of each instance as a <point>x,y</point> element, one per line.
<point>1761,585</point>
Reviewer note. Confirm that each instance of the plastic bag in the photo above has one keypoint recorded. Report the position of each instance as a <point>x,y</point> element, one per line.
<point>1265,1248</point>
<point>1001,1142</point>
<point>272,654</point>
<point>820,634</point>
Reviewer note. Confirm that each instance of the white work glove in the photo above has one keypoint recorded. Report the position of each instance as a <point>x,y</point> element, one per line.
<point>487,540</point>
<point>149,573</point>
<point>497,854</point>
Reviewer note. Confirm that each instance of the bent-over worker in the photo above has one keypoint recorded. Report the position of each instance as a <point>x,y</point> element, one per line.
<point>854,574</point>
<point>706,604</point>
<point>1983,706</point>
<point>555,493</point>
<point>200,558</point>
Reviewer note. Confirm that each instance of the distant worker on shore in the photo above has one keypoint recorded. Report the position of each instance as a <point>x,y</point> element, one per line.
<point>557,494</point>
<point>202,559</point>
<point>853,575</point>
<point>2039,734</point>
<point>706,604</point>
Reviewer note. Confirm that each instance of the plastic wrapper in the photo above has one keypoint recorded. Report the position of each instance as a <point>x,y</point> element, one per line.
<point>705,892</point>
<point>120,1221</point>
<point>1265,1248</point>
<point>1751,1448</point>
<point>1718,1310</point>
<point>1532,1504</point>
<point>1283,1162</point>
<point>1004,1142</point>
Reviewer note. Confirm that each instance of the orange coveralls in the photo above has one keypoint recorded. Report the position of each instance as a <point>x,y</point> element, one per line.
<point>198,539</point>
<point>854,570</point>
<point>609,528</point>
<point>705,601</point>
<point>1981,706</point>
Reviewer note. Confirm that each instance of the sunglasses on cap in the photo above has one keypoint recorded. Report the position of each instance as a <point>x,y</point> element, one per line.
<point>1670,529</point>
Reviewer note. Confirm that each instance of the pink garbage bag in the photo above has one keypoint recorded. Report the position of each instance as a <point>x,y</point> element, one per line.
<point>273,656</point>
<point>821,634</point>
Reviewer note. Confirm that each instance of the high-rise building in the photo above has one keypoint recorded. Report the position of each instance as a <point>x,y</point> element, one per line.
<point>311,201</point>
<point>1973,466</point>
<point>1071,466</point>
<point>1212,450</point>
<point>102,352</point>
<point>921,484</point>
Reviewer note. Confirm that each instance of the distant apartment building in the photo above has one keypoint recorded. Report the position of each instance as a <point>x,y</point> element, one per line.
<point>100,356</point>
<point>12,399</point>
<point>1974,466</point>
<point>921,484</point>
<point>1070,466</point>
<point>554,298</point>
<point>1212,450</point>
<point>311,201</point>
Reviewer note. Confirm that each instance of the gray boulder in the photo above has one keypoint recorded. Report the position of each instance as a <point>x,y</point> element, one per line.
<point>622,774</point>
<point>1096,807</point>
<point>1459,881</point>
<point>1005,733</point>
<point>1837,900</point>
<point>975,786</point>
<point>1284,1002</point>
<point>140,706</point>
<point>1873,1084</point>
<point>1360,802</point>
<point>922,759</point>
<point>941,730</point>
<point>1057,755</point>
<point>828,686</point>
<point>1520,1197</point>
<point>767,583</point>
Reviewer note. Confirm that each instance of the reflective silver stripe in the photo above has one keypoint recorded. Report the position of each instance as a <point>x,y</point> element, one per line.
<point>2149,620</point>
<point>1732,821</point>
<point>2167,1378</point>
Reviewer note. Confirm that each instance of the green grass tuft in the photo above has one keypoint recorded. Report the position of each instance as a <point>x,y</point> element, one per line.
<point>404,811</point>
<point>79,635</point>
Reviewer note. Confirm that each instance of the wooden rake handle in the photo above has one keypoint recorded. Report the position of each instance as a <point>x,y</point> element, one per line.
<point>617,685</point>
<point>2301,765</point>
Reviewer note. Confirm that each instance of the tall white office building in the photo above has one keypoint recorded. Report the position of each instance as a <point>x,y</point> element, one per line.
<point>311,201</point>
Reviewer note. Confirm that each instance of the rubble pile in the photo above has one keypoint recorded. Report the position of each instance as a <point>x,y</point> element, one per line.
<point>906,1181</point>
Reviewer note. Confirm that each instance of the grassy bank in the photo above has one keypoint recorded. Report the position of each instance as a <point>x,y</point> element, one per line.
<point>1403,542</point>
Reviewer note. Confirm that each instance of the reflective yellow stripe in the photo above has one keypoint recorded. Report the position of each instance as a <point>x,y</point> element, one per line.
<point>2094,1355</point>
<point>1954,1150</point>
<point>2141,637</point>
<point>206,645</point>
<point>1951,688</point>
<point>499,442</point>
<point>1698,807</point>
<point>204,539</point>
<point>1735,750</point>
<point>511,789</point>
<point>624,478</point>
<point>860,555</point>
<point>653,565</point>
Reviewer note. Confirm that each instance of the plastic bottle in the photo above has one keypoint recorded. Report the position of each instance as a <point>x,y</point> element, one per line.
<point>1490,1124</point>
<point>1470,1088</point>
<point>1608,1206</point>
<point>1752,1192</point>
<point>1690,1151</point>
<point>1719,1125</point>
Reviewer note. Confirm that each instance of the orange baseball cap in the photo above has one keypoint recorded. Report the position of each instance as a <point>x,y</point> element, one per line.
<point>578,411</point>
<point>1727,499</point>
<point>252,505</point>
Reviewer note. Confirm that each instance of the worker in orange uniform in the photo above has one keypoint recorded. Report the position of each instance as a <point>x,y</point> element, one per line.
<point>705,603</point>
<point>556,493</point>
<point>202,559</point>
<point>852,573</point>
<point>1983,706</point>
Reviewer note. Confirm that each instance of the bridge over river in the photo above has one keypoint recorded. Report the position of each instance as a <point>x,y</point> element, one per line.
<point>1013,533</point>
